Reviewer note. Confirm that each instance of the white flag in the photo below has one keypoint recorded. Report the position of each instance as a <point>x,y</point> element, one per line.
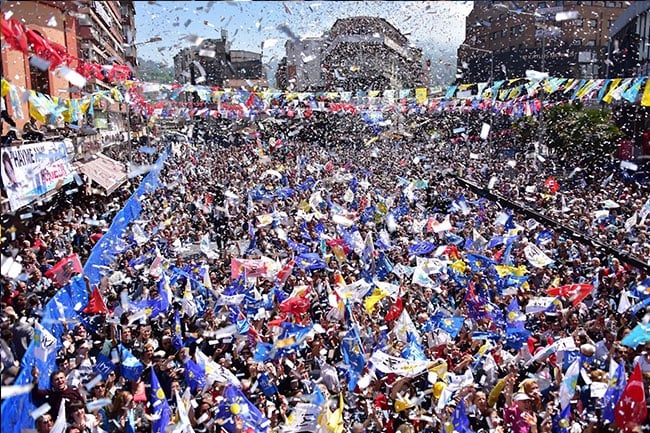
<point>45,343</point>
<point>536,257</point>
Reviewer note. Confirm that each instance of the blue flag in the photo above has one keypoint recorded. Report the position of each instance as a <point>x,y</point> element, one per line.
<point>177,336</point>
<point>132,368</point>
<point>160,407</point>
<point>615,389</point>
<point>516,337</point>
<point>384,266</point>
<point>479,262</point>
<point>194,375</point>
<point>235,404</point>
<point>413,349</point>
<point>310,261</point>
<point>561,421</point>
<point>450,324</point>
<point>640,334</point>
<point>421,248</point>
<point>104,366</point>
<point>268,388</point>
<point>353,356</point>
<point>460,420</point>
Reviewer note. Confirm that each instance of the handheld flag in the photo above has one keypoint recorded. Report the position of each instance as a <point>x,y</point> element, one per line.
<point>631,410</point>
<point>96,304</point>
<point>161,410</point>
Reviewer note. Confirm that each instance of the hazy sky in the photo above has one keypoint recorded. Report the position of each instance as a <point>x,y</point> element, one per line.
<point>437,26</point>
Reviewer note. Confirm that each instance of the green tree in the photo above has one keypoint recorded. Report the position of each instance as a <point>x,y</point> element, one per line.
<point>588,134</point>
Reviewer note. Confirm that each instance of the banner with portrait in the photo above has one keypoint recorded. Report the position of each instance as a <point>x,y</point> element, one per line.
<point>31,170</point>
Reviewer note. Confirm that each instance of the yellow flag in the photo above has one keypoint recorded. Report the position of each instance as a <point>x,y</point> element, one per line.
<point>377,295</point>
<point>335,419</point>
<point>339,253</point>
<point>459,266</point>
<point>645,98</point>
<point>5,88</point>
<point>615,83</point>
<point>421,95</point>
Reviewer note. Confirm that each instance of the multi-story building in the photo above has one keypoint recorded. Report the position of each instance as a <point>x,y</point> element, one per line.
<point>303,64</point>
<point>564,38</point>
<point>213,63</point>
<point>629,48</point>
<point>357,53</point>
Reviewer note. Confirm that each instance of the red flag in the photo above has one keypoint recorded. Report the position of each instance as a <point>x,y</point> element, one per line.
<point>329,166</point>
<point>395,310</point>
<point>573,292</point>
<point>552,184</point>
<point>253,268</point>
<point>295,305</point>
<point>96,304</point>
<point>631,410</point>
<point>284,273</point>
<point>61,273</point>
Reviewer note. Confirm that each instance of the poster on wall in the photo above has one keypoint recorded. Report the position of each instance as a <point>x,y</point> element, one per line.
<point>31,170</point>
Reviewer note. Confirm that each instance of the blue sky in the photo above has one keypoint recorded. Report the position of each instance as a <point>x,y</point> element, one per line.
<point>436,27</point>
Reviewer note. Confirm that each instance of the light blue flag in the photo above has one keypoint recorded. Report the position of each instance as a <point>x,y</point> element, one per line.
<point>132,368</point>
<point>161,409</point>
<point>413,350</point>
<point>637,336</point>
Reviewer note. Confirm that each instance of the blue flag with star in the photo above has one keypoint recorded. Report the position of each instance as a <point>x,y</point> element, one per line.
<point>160,408</point>
<point>236,404</point>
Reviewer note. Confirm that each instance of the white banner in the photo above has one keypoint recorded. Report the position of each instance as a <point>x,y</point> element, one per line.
<point>400,366</point>
<point>31,170</point>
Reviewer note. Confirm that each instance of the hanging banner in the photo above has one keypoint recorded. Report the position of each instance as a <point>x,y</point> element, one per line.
<point>31,170</point>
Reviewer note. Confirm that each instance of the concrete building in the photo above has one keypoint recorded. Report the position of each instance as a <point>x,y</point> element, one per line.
<point>563,38</point>
<point>357,53</point>
<point>213,63</point>
<point>629,48</point>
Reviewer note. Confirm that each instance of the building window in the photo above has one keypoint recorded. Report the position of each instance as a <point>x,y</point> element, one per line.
<point>513,31</point>
<point>592,23</point>
<point>495,36</point>
<point>40,80</point>
<point>577,42</point>
<point>504,33</point>
<point>598,3</point>
<point>578,22</point>
<point>591,43</point>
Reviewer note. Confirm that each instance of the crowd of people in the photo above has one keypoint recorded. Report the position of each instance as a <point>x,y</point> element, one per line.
<point>274,283</point>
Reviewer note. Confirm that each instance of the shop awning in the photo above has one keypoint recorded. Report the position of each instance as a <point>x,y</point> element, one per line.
<point>103,171</point>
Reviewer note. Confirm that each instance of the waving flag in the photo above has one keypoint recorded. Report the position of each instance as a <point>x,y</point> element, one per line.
<point>63,270</point>
<point>421,248</point>
<point>479,262</point>
<point>194,375</point>
<point>569,382</point>
<point>285,272</point>
<point>460,420</point>
<point>631,410</point>
<point>310,262</point>
<point>131,367</point>
<point>160,408</point>
<point>45,344</point>
<point>253,267</point>
<point>573,292</point>
<point>353,356</point>
<point>638,335</point>
<point>96,304</point>
<point>236,404</point>
<point>614,391</point>
<point>177,336</point>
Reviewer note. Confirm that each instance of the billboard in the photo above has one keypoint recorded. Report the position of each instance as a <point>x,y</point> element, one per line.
<point>31,170</point>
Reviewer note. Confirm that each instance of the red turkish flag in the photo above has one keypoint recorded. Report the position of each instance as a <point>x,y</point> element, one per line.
<point>573,292</point>
<point>631,409</point>
<point>285,272</point>
<point>96,304</point>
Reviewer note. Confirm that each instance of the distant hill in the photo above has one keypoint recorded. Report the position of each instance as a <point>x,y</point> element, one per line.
<point>155,72</point>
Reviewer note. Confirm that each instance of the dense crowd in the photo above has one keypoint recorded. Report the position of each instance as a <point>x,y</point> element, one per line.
<point>275,283</point>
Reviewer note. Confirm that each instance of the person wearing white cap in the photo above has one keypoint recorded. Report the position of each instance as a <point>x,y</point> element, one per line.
<point>518,413</point>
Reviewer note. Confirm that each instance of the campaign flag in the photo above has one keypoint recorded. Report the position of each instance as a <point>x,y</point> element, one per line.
<point>371,300</point>
<point>96,304</point>
<point>421,248</point>
<point>413,349</point>
<point>161,411</point>
<point>536,257</point>
<point>569,382</point>
<point>459,419</point>
<point>514,316</point>
<point>266,385</point>
<point>383,241</point>
<point>641,290</point>
<point>572,292</point>
<point>253,267</point>
<point>384,266</point>
<point>450,324</point>
<point>64,269</point>
<point>310,262</point>
<point>285,272</point>
<point>60,425</point>
<point>45,343</point>
<point>103,366</point>
<point>561,420</point>
<point>236,404</point>
<point>177,336</point>
<point>516,337</point>
<point>615,387</point>
<point>638,335</point>
<point>631,410</point>
<point>478,262</point>
<point>353,356</point>
<point>552,184</point>
<point>131,367</point>
<point>194,375</point>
